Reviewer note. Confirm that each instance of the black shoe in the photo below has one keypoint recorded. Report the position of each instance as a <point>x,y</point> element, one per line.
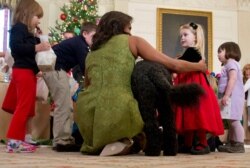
<point>139,143</point>
<point>67,148</point>
<point>203,151</point>
<point>217,142</point>
<point>211,143</point>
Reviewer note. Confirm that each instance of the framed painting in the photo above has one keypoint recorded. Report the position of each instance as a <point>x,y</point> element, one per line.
<point>168,24</point>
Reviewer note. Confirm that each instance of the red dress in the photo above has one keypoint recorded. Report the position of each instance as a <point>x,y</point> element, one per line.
<point>205,116</point>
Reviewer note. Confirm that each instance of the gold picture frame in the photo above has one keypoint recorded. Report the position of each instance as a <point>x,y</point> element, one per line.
<point>168,23</point>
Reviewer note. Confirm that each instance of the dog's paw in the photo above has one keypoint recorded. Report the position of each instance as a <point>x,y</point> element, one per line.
<point>169,153</point>
<point>170,150</point>
<point>153,152</point>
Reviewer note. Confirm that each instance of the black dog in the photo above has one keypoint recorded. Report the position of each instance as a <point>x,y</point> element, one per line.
<point>152,87</point>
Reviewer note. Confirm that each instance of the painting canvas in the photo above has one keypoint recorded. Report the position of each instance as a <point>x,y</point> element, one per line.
<point>168,24</point>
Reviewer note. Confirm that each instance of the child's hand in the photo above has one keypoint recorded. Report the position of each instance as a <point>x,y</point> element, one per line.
<point>38,31</point>
<point>174,75</point>
<point>224,100</point>
<point>43,46</point>
<point>39,74</point>
<point>5,68</point>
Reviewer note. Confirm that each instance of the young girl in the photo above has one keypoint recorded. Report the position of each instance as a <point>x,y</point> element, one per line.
<point>196,121</point>
<point>231,89</point>
<point>246,81</point>
<point>22,87</point>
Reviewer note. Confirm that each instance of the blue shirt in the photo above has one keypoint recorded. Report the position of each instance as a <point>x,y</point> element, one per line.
<point>71,52</point>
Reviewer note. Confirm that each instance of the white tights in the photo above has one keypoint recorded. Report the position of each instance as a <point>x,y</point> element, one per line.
<point>236,131</point>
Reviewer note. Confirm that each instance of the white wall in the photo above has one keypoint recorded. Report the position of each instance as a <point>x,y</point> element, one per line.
<point>230,19</point>
<point>51,9</point>
<point>224,22</point>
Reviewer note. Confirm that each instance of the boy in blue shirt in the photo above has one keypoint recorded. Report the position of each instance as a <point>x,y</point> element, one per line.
<point>69,52</point>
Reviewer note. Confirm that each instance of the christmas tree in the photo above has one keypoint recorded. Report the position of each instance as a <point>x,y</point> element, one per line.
<point>73,15</point>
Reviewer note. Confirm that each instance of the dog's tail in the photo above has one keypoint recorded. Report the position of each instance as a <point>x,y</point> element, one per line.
<point>186,94</point>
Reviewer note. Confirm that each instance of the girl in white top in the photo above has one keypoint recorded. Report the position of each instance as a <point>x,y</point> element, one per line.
<point>246,80</point>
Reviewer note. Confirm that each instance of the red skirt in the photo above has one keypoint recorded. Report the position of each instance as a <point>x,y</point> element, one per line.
<point>205,116</point>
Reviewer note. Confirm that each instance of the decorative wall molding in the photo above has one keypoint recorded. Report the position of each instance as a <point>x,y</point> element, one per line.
<point>202,4</point>
<point>244,5</point>
<point>230,18</point>
<point>8,3</point>
<point>105,6</point>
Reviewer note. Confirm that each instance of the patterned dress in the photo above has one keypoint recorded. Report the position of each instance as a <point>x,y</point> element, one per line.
<point>107,110</point>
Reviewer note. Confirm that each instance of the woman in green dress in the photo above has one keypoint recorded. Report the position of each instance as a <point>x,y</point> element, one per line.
<point>106,110</point>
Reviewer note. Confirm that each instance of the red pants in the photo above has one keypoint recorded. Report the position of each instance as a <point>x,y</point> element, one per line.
<point>20,100</point>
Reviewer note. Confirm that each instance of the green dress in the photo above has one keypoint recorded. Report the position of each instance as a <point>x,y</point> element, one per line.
<point>106,109</point>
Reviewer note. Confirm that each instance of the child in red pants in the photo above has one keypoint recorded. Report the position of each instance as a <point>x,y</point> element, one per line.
<point>23,45</point>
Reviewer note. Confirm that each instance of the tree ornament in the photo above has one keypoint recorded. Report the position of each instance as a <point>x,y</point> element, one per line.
<point>75,19</point>
<point>91,2</point>
<point>72,15</point>
<point>77,31</point>
<point>63,16</point>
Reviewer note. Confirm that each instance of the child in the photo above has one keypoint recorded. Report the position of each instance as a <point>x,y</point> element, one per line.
<point>246,80</point>
<point>231,89</point>
<point>68,34</point>
<point>22,87</point>
<point>70,52</point>
<point>196,121</point>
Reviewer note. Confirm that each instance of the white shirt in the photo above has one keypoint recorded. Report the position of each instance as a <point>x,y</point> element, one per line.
<point>247,88</point>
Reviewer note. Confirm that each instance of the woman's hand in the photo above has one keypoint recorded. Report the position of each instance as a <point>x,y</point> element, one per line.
<point>203,65</point>
<point>43,46</point>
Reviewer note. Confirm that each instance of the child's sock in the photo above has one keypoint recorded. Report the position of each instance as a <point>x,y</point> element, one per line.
<point>202,140</point>
<point>28,139</point>
<point>189,136</point>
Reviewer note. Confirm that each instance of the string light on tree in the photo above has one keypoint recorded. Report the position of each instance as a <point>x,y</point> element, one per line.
<point>72,16</point>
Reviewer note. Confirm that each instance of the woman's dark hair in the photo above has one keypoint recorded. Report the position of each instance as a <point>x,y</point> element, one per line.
<point>232,50</point>
<point>112,23</point>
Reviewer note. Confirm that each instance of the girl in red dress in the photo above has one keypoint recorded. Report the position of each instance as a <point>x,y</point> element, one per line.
<point>205,118</point>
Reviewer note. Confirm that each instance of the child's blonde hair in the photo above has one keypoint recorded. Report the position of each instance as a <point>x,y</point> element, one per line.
<point>25,11</point>
<point>245,68</point>
<point>197,30</point>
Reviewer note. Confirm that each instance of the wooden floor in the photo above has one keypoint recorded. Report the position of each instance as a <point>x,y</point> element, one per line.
<point>45,157</point>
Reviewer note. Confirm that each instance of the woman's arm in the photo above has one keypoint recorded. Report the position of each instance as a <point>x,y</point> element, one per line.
<point>140,47</point>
